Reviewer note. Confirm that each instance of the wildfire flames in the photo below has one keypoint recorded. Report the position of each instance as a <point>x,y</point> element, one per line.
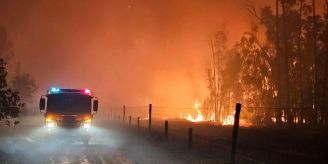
<point>199,116</point>
<point>229,120</point>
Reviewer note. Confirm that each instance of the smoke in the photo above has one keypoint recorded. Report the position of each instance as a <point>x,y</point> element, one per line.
<point>127,52</point>
<point>30,142</point>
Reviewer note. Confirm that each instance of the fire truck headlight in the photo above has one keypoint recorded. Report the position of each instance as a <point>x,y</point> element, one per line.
<point>50,123</point>
<point>87,123</point>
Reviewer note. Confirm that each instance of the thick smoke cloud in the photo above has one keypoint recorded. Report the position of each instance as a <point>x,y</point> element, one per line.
<point>129,52</point>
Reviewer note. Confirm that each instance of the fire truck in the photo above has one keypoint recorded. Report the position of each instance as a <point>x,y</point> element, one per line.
<point>69,112</point>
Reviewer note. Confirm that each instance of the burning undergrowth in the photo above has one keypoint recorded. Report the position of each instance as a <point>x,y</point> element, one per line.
<point>198,116</point>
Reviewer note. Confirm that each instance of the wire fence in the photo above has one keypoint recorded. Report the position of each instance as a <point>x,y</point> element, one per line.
<point>252,115</point>
<point>207,136</point>
<point>165,122</point>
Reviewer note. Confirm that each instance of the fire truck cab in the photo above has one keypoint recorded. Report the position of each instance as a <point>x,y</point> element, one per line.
<point>69,110</point>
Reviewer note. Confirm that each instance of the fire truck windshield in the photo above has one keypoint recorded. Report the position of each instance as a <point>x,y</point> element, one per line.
<point>69,103</point>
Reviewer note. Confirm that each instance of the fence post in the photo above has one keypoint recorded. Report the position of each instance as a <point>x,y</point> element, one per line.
<point>123,113</point>
<point>129,121</point>
<point>235,133</point>
<point>138,122</point>
<point>190,138</point>
<point>166,128</point>
<point>149,119</point>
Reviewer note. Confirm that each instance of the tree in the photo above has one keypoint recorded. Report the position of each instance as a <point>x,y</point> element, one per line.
<point>286,59</point>
<point>283,79</point>
<point>292,65</point>
<point>301,62</point>
<point>323,71</point>
<point>316,63</point>
<point>214,75</point>
<point>10,102</point>
<point>220,44</point>
<point>256,75</point>
<point>25,84</point>
<point>209,103</point>
<point>231,89</point>
<point>5,51</point>
<point>277,63</point>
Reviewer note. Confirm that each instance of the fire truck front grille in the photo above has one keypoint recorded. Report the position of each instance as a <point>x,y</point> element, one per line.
<point>69,122</point>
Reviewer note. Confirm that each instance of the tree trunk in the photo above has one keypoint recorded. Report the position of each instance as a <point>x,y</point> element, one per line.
<point>218,111</point>
<point>214,84</point>
<point>278,109</point>
<point>315,119</point>
<point>325,80</point>
<point>301,63</point>
<point>286,65</point>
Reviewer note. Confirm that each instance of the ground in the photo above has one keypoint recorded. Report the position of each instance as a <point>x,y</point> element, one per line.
<point>26,143</point>
<point>115,142</point>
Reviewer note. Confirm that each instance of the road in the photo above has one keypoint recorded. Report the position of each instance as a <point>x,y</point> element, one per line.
<point>27,144</point>
<point>113,142</point>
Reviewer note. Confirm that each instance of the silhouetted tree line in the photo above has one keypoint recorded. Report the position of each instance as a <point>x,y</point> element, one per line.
<point>280,76</point>
<point>10,101</point>
<point>12,95</point>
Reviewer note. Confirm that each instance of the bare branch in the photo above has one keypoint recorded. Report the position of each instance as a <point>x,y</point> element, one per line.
<point>250,7</point>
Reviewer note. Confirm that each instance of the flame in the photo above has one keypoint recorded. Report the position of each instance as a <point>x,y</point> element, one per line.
<point>199,116</point>
<point>197,119</point>
<point>229,120</point>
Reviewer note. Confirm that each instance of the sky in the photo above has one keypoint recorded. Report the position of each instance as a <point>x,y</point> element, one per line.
<point>132,52</point>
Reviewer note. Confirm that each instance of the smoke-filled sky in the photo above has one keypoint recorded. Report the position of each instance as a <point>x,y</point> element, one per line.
<point>130,52</point>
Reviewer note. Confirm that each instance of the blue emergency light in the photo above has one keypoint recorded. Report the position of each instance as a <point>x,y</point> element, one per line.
<point>54,90</point>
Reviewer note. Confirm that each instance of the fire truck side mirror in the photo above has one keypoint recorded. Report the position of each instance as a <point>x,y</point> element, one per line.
<point>95,105</point>
<point>42,104</point>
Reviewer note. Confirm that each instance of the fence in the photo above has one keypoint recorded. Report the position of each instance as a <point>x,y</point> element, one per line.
<point>152,118</point>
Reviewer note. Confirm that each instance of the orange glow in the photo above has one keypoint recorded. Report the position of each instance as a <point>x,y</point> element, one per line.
<point>229,120</point>
<point>138,53</point>
<point>136,34</point>
<point>199,116</point>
